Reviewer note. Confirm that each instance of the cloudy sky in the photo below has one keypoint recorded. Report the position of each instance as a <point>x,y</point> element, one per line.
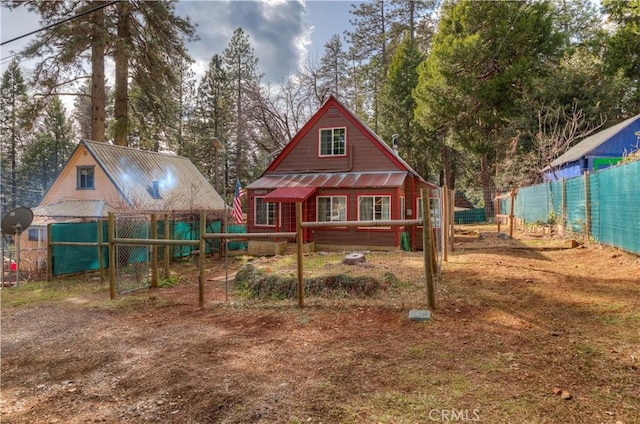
<point>281,32</point>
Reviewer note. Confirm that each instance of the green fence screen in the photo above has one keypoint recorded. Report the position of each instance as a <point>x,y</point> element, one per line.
<point>73,259</point>
<point>470,216</point>
<point>613,201</point>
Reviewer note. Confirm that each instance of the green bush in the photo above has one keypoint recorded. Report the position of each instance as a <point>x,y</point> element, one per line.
<point>253,283</point>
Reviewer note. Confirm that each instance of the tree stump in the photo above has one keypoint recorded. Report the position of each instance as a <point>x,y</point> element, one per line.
<point>353,259</point>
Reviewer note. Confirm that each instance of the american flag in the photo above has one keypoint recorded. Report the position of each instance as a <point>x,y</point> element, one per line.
<point>237,204</point>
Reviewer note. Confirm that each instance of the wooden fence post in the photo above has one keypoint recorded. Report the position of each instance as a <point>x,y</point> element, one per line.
<point>444,226</point>
<point>154,252</point>
<point>300,245</point>
<point>111,230</point>
<point>452,224</point>
<point>587,204</point>
<point>511,210</point>
<point>426,249</point>
<point>563,205</point>
<point>201,257</point>
<point>49,254</point>
<point>167,250</point>
<point>100,253</point>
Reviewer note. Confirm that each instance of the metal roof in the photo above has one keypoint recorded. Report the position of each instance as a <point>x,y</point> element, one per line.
<point>180,185</point>
<point>71,211</point>
<point>592,142</point>
<point>75,209</point>
<point>290,194</point>
<point>331,180</point>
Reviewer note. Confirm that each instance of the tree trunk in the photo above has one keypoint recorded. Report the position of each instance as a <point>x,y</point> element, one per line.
<point>486,186</point>
<point>98,95</point>
<point>122,75</point>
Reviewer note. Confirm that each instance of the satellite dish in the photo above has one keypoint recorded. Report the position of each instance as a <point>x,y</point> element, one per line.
<point>17,220</point>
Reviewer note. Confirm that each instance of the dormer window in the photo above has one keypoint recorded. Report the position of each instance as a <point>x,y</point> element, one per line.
<point>85,178</point>
<point>333,141</point>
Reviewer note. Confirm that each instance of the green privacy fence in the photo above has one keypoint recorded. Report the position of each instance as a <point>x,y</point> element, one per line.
<point>74,259</point>
<point>471,216</point>
<point>604,205</point>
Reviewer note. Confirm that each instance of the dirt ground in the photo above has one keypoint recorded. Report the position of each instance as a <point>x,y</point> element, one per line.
<point>525,331</point>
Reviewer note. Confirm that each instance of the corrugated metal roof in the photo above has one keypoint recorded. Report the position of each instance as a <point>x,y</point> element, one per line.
<point>75,209</point>
<point>590,143</point>
<point>180,185</point>
<point>290,194</point>
<point>331,180</point>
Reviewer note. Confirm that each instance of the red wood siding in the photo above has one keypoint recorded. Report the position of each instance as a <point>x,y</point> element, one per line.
<point>362,154</point>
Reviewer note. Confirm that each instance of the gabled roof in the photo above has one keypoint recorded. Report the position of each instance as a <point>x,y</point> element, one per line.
<point>181,187</point>
<point>332,101</point>
<point>590,143</point>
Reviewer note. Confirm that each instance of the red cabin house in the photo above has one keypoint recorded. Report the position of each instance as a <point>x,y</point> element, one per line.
<point>341,171</point>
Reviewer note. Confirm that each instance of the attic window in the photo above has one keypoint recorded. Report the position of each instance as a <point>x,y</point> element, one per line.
<point>333,141</point>
<point>85,177</point>
<point>333,111</point>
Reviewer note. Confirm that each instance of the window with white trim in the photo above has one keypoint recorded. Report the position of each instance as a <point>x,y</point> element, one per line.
<point>374,208</point>
<point>333,141</point>
<point>434,205</point>
<point>332,208</point>
<point>85,177</point>
<point>265,212</point>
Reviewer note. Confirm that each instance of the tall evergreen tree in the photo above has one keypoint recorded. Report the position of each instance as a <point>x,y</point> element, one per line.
<point>211,118</point>
<point>623,45</point>
<point>14,124</point>
<point>241,66</point>
<point>398,104</point>
<point>146,40</point>
<point>484,55</point>
<point>44,158</point>
<point>333,67</point>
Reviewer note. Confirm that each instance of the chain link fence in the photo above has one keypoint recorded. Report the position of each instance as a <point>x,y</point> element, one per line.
<point>132,261</point>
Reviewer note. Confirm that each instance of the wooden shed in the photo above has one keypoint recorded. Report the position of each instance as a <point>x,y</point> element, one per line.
<point>598,151</point>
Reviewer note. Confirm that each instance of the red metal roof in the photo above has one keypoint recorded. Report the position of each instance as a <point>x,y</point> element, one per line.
<point>331,180</point>
<point>290,194</point>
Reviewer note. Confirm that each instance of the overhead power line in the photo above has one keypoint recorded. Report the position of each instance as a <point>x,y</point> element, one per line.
<point>55,24</point>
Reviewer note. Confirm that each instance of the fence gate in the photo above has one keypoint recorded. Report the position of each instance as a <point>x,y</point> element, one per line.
<point>132,262</point>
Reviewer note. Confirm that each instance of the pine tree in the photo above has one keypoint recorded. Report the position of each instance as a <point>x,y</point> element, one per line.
<point>484,55</point>
<point>333,67</point>
<point>397,107</point>
<point>51,148</point>
<point>210,119</point>
<point>241,66</point>
<point>146,40</point>
<point>14,124</point>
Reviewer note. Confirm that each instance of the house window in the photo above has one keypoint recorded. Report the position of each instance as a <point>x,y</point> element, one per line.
<point>374,208</point>
<point>434,205</point>
<point>265,212</point>
<point>36,233</point>
<point>331,209</point>
<point>333,141</point>
<point>86,178</point>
